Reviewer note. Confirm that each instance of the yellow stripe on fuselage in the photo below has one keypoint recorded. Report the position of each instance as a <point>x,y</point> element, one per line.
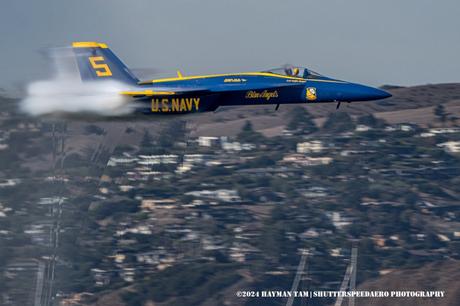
<point>265,74</point>
<point>198,77</point>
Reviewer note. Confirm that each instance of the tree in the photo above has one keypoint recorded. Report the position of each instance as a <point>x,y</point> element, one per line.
<point>440,112</point>
<point>174,131</point>
<point>247,128</point>
<point>248,134</point>
<point>94,129</point>
<point>339,122</point>
<point>371,120</point>
<point>147,140</point>
<point>301,121</point>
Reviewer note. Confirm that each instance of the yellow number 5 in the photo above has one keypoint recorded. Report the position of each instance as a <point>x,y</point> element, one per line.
<point>102,70</point>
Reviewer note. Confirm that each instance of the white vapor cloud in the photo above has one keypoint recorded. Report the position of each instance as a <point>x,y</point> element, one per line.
<point>65,93</point>
<point>57,96</point>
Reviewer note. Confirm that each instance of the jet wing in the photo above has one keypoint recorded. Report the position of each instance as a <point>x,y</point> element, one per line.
<point>164,92</point>
<point>222,88</point>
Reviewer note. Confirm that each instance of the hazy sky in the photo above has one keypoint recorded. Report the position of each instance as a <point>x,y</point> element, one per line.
<point>375,42</point>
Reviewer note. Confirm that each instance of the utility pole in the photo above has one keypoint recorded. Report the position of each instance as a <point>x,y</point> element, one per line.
<point>298,275</point>
<point>354,267</point>
<point>349,279</point>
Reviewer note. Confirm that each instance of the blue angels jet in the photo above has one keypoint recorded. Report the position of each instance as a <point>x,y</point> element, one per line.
<point>191,94</point>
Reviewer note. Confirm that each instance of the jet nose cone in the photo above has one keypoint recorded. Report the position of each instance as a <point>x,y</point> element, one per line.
<point>367,93</point>
<point>349,92</point>
<point>381,94</point>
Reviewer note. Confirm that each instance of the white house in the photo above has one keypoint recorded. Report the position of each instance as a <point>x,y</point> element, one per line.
<point>314,146</point>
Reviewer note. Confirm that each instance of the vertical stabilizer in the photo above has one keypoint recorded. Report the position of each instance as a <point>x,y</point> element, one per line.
<point>97,62</point>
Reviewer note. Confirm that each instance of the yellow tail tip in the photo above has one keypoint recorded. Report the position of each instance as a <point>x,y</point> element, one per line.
<point>88,44</point>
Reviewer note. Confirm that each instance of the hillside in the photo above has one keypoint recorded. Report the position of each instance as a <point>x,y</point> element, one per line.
<point>159,218</point>
<point>435,276</point>
<point>408,104</point>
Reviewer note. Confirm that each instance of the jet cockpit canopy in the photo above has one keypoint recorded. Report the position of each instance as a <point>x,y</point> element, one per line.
<point>295,71</point>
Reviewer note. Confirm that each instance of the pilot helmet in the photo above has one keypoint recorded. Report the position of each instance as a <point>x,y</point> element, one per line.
<point>292,71</point>
<point>295,71</point>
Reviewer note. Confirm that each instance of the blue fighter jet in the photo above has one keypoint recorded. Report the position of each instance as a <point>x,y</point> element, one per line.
<point>204,93</point>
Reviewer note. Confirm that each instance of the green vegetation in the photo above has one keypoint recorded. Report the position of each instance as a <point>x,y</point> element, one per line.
<point>301,121</point>
<point>339,122</point>
<point>201,282</point>
<point>248,134</point>
<point>441,113</point>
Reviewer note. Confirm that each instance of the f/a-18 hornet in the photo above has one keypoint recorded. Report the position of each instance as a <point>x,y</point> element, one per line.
<point>204,93</point>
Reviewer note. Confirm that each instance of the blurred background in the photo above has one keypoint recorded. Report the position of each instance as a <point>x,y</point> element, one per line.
<point>191,210</point>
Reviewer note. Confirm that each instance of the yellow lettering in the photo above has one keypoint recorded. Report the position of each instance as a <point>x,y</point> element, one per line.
<point>267,95</point>
<point>183,106</point>
<point>102,69</point>
<point>164,105</point>
<point>189,104</point>
<point>197,103</point>
<point>175,105</point>
<point>155,107</point>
